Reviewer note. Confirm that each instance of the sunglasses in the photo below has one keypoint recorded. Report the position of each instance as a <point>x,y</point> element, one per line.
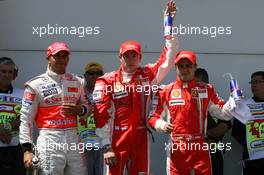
<point>256,82</point>
<point>94,73</point>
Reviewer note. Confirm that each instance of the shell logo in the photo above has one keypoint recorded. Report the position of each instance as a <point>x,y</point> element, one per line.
<point>176,93</point>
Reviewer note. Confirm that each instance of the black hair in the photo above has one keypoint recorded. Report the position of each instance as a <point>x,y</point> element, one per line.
<point>203,74</point>
<point>9,61</point>
<point>258,73</point>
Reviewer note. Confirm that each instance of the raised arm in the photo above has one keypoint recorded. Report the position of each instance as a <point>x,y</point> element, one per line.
<point>166,60</point>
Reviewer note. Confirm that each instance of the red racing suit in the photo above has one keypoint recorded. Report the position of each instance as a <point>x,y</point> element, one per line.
<point>186,105</point>
<point>43,99</point>
<point>121,109</point>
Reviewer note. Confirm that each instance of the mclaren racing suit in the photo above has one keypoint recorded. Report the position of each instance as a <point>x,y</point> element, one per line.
<point>57,144</point>
<point>122,104</point>
<point>186,105</point>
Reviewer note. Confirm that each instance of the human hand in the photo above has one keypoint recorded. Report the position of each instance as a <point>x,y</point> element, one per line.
<point>168,128</point>
<point>110,157</point>
<point>70,110</point>
<point>170,9</point>
<point>28,156</point>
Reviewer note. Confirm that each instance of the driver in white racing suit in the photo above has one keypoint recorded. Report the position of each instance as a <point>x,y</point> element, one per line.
<point>53,100</point>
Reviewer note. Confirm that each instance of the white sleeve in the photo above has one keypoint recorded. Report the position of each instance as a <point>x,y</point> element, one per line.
<point>27,115</point>
<point>219,112</point>
<point>173,47</point>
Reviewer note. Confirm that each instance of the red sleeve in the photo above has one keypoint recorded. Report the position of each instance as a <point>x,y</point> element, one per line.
<point>215,98</point>
<point>102,96</point>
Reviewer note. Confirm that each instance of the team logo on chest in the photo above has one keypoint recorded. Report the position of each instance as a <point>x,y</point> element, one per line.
<point>176,93</point>
<point>194,93</point>
<point>201,93</point>
<point>176,96</point>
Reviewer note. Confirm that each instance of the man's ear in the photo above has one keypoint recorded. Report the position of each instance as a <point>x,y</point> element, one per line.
<point>195,66</point>
<point>120,58</point>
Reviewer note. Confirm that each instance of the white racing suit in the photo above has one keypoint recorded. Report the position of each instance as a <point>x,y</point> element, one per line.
<point>58,146</point>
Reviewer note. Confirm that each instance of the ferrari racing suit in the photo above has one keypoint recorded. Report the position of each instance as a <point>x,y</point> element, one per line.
<point>186,105</point>
<point>122,104</point>
<point>57,143</point>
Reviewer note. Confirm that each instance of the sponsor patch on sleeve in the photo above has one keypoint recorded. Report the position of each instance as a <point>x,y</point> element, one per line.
<point>29,96</point>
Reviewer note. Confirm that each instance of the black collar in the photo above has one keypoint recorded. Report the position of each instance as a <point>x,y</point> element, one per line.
<point>8,91</point>
<point>256,99</point>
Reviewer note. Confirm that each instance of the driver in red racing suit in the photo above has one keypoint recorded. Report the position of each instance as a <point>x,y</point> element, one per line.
<point>122,100</point>
<point>186,103</point>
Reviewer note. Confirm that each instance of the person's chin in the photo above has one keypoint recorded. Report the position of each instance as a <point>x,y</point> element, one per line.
<point>61,69</point>
<point>186,78</point>
<point>134,67</point>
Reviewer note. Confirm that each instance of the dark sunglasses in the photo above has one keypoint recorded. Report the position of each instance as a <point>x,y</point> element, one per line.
<point>94,73</point>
